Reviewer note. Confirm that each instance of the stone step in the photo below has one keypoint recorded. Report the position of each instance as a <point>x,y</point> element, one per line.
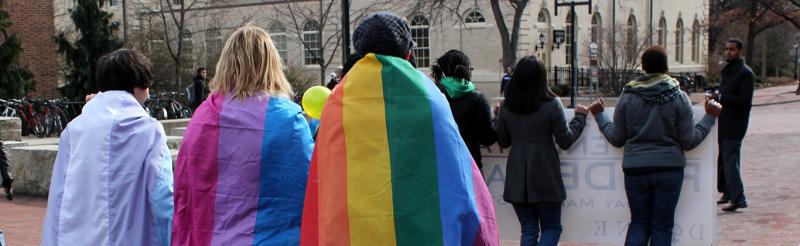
<point>174,142</point>
<point>169,125</point>
<point>14,144</point>
<point>10,129</point>
<point>32,167</point>
<point>178,131</point>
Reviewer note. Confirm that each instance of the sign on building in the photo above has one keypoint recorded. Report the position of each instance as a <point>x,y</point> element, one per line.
<point>596,208</point>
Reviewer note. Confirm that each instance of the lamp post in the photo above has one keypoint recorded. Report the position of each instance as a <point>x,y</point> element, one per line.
<point>345,31</point>
<point>574,63</point>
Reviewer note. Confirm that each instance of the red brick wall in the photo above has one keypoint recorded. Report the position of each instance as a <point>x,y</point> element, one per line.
<point>33,24</point>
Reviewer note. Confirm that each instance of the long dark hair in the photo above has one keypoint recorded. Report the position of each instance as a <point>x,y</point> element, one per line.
<point>453,63</point>
<point>528,87</point>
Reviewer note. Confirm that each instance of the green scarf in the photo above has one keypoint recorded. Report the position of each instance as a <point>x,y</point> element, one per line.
<point>656,88</point>
<point>456,87</point>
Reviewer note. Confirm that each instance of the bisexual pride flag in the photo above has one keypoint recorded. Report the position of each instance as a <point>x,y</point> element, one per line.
<point>389,166</point>
<point>241,173</point>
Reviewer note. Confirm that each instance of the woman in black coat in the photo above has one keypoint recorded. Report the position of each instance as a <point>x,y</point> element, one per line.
<point>452,73</point>
<point>530,118</point>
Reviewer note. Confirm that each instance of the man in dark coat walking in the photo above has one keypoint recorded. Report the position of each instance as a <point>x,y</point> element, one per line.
<point>736,96</point>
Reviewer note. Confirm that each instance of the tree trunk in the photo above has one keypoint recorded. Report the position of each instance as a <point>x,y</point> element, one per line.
<point>751,32</point>
<point>508,40</point>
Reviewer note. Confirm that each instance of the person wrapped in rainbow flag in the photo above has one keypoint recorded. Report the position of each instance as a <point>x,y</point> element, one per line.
<point>389,167</point>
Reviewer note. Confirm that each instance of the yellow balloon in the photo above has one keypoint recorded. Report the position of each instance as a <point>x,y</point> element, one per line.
<point>314,100</point>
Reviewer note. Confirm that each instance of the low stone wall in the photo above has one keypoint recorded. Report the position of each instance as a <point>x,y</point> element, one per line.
<point>170,125</point>
<point>10,129</point>
<point>32,167</point>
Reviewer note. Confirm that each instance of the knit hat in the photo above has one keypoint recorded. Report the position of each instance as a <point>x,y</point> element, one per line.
<point>383,33</point>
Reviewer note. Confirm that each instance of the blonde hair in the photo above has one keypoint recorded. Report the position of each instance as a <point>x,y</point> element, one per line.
<point>250,64</point>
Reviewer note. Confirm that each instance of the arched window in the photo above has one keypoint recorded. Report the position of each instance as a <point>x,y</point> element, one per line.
<point>632,39</point>
<point>474,17</point>
<point>544,16</point>
<point>278,35</point>
<point>695,41</point>
<point>597,31</point>
<point>661,32</point>
<point>679,41</point>
<point>420,33</point>
<point>313,44</point>
<point>544,28</point>
<point>568,44</point>
<point>213,48</point>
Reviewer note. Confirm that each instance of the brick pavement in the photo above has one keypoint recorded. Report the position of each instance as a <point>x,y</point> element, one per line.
<point>771,168</point>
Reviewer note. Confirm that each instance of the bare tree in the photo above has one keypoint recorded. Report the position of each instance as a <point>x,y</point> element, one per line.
<point>509,38</point>
<point>318,16</point>
<point>168,23</point>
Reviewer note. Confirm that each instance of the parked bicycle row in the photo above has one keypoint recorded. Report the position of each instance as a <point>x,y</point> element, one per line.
<point>48,117</point>
<point>41,117</point>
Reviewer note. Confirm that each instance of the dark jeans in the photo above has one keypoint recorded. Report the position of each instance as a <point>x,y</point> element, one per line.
<point>729,177</point>
<point>531,216</point>
<point>652,199</point>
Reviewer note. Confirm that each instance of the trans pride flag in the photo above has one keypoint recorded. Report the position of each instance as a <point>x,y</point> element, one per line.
<point>241,173</point>
<point>389,167</point>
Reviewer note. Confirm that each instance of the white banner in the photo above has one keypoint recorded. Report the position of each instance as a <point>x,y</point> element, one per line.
<point>596,208</point>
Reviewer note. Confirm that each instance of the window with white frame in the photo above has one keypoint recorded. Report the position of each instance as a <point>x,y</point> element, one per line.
<point>597,32</point>
<point>213,48</point>
<point>420,33</point>
<point>313,45</point>
<point>278,35</point>
<point>679,41</point>
<point>696,41</point>
<point>632,39</point>
<point>661,32</point>
<point>474,17</point>
<point>568,43</point>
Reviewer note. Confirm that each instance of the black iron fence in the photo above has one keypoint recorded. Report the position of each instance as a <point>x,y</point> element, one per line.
<point>611,82</point>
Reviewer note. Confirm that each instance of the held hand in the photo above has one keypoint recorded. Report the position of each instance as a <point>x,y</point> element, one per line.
<point>597,106</point>
<point>713,108</point>
<point>580,109</point>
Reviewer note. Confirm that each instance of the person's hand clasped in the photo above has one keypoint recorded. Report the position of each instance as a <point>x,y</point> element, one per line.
<point>597,106</point>
<point>580,109</point>
<point>713,108</point>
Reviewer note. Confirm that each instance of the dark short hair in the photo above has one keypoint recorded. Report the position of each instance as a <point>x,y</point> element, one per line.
<point>654,60</point>
<point>737,41</point>
<point>123,70</point>
<point>201,69</point>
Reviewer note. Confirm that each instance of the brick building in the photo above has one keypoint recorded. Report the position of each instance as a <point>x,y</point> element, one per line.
<point>33,24</point>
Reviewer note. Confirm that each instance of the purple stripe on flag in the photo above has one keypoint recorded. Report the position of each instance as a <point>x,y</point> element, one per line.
<point>238,163</point>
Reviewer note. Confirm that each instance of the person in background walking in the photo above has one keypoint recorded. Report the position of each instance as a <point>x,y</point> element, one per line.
<point>528,120</point>
<point>452,73</point>
<point>653,121</point>
<point>5,172</point>
<point>506,79</point>
<point>736,96</point>
<point>199,88</point>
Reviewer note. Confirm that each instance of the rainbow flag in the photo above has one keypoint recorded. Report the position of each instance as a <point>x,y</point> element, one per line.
<point>389,167</point>
<point>241,173</point>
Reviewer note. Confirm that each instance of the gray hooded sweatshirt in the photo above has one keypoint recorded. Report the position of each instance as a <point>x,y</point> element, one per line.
<point>653,120</point>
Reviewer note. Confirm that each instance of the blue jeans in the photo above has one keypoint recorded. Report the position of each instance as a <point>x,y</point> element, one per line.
<point>530,216</point>
<point>652,199</point>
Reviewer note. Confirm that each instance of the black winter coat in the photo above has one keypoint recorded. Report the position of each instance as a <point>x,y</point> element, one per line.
<point>736,96</point>
<point>474,121</point>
